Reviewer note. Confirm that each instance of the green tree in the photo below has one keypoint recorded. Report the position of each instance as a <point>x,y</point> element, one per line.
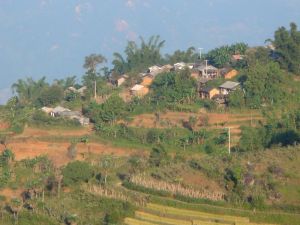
<point>287,48</point>
<point>139,58</point>
<point>65,83</point>
<point>110,111</point>
<point>50,96</point>
<point>252,139</point>
<point>28,90</point>
<point>264,84</point>
<point>236,99</point>
<point>76,172</point>
<point>221,56</point>
<point>174,87</point>
<point>190,55</point>
<point>158,156</point>
<point>92,61</point>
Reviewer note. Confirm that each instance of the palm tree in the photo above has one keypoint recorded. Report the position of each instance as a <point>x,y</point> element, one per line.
<point>120,64</point>
<point>28,89</point>
<point>67,82</point>
<point>138,58</point>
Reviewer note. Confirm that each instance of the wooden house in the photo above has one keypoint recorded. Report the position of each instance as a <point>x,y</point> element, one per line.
<point>228,73</point>
<point>208,71</point>
<point>208,92</point>
<point>147,80</point>
<point>228,87</point>
<point>139,90</point>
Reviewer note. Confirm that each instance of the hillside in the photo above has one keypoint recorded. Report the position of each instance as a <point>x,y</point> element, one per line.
<point>158,139</point>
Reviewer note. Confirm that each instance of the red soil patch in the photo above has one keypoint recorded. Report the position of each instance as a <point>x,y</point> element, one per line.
<point>35,132</point>
<point>200,180</point>
<point>10,193</point>
<point>4,125</point>
<point>57,152</point>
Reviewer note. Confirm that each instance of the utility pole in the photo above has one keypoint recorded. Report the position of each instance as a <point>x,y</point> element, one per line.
<point>200,52</point>
<point>229,147</point>
<point>95,90</point>
<point>206,67</point>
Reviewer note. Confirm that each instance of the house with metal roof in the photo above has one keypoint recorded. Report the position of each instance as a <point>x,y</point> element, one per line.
<point>228,87</point>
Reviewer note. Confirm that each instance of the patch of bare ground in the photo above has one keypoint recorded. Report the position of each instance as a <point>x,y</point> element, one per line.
<point>36,132</point>
<point>198,179</point>
<point>9,193</point>
<point>4,125</point>
<point>57,152</point>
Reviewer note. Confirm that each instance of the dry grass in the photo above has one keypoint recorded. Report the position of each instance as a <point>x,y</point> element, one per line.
<point>176,188</point>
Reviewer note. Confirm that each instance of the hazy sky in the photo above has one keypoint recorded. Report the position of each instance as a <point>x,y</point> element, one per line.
<point>52,37</point>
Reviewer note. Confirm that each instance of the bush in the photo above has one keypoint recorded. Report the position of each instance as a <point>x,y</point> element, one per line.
<point>17,127</point>
<point>39,118</point>
<point>76,172</point>
<point>158,156</point>
<point>72,151</point>
<point>116,215</point>
<point>50,96</point>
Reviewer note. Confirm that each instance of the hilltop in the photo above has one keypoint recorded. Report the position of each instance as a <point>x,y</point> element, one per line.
<point>181,138</point>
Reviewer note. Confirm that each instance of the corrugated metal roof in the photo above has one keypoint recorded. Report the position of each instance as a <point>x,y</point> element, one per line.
<point>229,85</point>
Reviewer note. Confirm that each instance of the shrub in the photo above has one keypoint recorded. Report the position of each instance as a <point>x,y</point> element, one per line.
<point>72,151</point>
<point>76,172</point>
<point>158,156</point>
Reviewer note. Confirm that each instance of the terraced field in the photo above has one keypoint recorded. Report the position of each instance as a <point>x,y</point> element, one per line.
<point>215,121</point>
<point>154,214</point>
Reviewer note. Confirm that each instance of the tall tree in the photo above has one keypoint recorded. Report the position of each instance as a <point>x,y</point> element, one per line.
<point>92,79</point>
<point>139,57</point>
<point>92,61</point>
<point>264,84</point>
<point>221,56</point>
<point>67,82</point>
<point>28,90</point>
<point>287,48</point>
<point>187,56</point>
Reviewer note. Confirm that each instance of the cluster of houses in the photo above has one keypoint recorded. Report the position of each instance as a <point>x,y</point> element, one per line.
<point>62,112</point>
<point>202,72</point>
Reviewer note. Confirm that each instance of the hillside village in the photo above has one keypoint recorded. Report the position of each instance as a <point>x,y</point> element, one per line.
<point>180,138</point>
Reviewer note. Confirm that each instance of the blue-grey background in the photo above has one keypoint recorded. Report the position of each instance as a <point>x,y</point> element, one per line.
<point>52,37</point>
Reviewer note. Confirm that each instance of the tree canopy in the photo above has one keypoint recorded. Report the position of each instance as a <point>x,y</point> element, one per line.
<point>287,48</point>
<point>139,57</point>
<point>264,84</point>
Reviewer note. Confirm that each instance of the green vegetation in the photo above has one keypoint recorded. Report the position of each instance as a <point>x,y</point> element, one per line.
<point>177,155</point>
<point>287,45</point>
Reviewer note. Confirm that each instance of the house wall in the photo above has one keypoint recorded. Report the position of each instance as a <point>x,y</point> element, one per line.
<point>230,74</point>
<point>213,93</point>
<point>140,93</point>
<point>120,81</point>
<point>195,74</point>
<point>224,91</point>
<point>204,95</point>
<point>147,81</point>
